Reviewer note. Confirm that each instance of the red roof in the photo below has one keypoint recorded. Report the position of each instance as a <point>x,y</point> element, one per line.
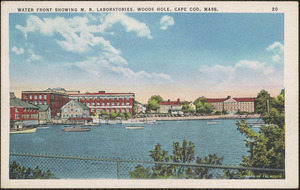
<point>212,100</point>
<point>100,93</point>
<point>244,99</point>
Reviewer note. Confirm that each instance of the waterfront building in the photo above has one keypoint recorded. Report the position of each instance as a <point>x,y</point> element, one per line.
<point>74,109</point>
<point>44,114</point>
<point>55,98</point>
<point>173,107</point>
<point>140,108</point>
<point>98,101</point>
<point>23,113</point>
<point>232,105</point>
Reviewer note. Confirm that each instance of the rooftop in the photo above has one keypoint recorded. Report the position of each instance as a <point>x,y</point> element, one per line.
<point>15,102</point>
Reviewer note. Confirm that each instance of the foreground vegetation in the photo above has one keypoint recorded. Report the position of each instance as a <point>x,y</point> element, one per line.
<point>17,171</point>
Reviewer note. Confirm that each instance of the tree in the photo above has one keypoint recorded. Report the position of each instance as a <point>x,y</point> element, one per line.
<point>261,102</point>
<point>186,108</point>
<point>17,171</point>
<point>152,105</point>
<point>266,147</point>
<point>127,115</point>
<point>158,98</point>
<point>121,115</point>
<point>103,112</point>
<point>181,154</point>
<point>113,115</point>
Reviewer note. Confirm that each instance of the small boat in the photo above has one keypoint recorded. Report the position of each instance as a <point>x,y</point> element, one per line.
<point>212,122</point>
<point>76,129</point>
<point>43,127</point>
<point>32,130</point>
<point>150,122</point>
<point>134,127</point>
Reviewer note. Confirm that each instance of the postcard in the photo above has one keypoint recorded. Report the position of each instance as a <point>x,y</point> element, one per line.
<point>161,94</point>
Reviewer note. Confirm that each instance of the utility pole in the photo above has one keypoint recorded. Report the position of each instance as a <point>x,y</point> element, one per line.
<point>268,107</point>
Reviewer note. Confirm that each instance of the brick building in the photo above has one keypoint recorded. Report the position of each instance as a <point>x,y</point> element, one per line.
<point>55,98</point>
<point>232,105</point>
<point>117,102</point>
<point>23,113</point>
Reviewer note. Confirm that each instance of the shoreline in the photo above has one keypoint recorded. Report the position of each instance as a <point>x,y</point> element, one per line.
<point>255,116</point>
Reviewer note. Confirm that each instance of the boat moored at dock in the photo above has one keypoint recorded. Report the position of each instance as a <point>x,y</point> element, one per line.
<point>134,127</point>
<point>76,129</point>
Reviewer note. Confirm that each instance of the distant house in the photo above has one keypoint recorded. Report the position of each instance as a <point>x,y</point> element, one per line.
<point>192,105</point>
<point>23,114</point>
<point>172,107</point>
<point>44,114</point>
<point>232,105</point>
<point>74,109</point>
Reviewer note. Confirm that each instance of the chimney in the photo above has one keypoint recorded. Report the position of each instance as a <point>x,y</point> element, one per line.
<point>169,100</point>
<point>178,100</point>
<point>228,97</point>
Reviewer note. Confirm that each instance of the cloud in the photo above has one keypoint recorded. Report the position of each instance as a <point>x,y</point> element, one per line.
<point>33,56</point>
<point>106,64</point>
<point>277,49</point>
<point>18,51</point>
<point>78,35</point>
<point>130,24</point>
<point>275,46</point>
<point>245,73</point>
<point>166,21</point>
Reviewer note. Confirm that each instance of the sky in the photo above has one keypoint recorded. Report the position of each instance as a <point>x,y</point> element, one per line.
<point>175,55</point>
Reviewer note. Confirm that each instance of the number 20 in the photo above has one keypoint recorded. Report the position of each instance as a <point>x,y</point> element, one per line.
<point>274,8</point>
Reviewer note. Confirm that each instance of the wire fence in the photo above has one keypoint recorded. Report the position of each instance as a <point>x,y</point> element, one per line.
<point>71,167</point>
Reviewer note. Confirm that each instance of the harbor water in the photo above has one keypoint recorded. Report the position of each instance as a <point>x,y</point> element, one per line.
<point>114,141</point>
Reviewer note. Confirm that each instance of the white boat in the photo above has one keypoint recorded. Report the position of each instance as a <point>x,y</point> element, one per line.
<point>150,122</point>
<point>43,127</point>
<point>134,127</point>
<point>212,122</point>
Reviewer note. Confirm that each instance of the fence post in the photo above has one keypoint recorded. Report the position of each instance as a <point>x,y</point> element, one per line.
<point>118,169</point>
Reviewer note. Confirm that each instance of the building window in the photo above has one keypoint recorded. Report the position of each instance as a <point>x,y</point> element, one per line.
<point>17,110</point>
<point>88,104</point>
<point>103,104</point>
<point>118,103</point>
<point>123,104</point>
<point>113,104</point>
<point>35,96</point>
<point>40,96</point>
<point>26,96</point>
<point>45,102</point>
<point>127,103</point>
<point>65,110</point>
<point>118,110</point>
<point>17,116</point>
<point>123,110</point>
<point>113,98</point>
<point>107,103</point>
<point>40,102</point>
<point>127,98</point>
<point>93,103</point>
<point>71,109</point>
<point>35,102</point>
<point>30,96</point>
<point>45,96</point>
<point>98,103</point>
